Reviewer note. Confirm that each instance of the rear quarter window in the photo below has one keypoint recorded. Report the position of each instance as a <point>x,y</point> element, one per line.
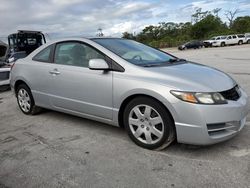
<point>44,55</point>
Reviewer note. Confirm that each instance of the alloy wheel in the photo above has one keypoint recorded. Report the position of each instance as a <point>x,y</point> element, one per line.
<point>24,100</point>
<point>146,124</point>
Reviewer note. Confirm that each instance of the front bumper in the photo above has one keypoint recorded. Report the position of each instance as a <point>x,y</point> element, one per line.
<point>208,124</point>
<point>216,44</point>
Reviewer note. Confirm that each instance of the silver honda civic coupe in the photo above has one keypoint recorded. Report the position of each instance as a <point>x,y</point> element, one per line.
<point>156,96</point>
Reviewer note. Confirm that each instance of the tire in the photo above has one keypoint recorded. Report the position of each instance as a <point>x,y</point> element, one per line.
<point>248,42</point>
<point>25,100</point>
<point>222,44</point>
<point>240,42</point>
<point>148,123</point>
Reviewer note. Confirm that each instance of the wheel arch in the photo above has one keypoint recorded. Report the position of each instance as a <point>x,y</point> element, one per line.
<point>133,96</point>
<point>18,83</point>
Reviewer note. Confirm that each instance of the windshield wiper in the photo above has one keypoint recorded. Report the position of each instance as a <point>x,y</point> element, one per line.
<point>152,65</point>
<point>170,61</point>
<point>176,60</point>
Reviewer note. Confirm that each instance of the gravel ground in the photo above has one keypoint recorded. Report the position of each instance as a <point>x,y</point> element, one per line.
<point>57,150</point>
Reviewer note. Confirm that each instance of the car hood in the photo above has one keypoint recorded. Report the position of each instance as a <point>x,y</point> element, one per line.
<point>192,77</point>
<point>208,41</point>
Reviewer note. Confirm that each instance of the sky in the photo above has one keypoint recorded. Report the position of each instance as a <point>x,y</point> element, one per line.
<point>64,18</point>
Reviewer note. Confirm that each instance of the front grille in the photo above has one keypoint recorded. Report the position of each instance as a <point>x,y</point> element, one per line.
<point>4,75</point>
<point>231,94</point>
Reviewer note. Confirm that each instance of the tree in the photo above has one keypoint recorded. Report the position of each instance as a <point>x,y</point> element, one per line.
<point>207,26</point>
<point>230,14</point>
<point>199,15</point>
<point>127,35</point>
<point>100,33</point>
<point>241,24</point>
<point>216,11</point>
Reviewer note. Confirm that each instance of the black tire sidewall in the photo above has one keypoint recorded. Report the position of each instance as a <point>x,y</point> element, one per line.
<point>26,88</point>
<point>160,109</point>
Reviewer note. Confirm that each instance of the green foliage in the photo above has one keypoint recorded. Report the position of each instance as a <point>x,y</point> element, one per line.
<point>205,25</point>
<point>241,24</point>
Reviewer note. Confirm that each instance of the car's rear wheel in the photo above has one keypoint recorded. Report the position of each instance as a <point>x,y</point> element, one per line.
<point>222,44</point>
<point>248,42</point>
<point>148,123</point>
<point>25,100</point>
<point>240,42</point>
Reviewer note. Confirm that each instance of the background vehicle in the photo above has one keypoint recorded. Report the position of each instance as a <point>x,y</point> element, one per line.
<point>154,95</point>
<point>20,45</point>
<point>235,39</point>
<point>4,70</point>
<point>219,41</point>
<point>4,78</point>
<point>208,43</point>
<point>192,44</point>
<point>247,38</point>
<point>4,49</point>
<point>26,41</point>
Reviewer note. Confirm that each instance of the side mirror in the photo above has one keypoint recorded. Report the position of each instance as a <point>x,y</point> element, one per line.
<point>98,64</point>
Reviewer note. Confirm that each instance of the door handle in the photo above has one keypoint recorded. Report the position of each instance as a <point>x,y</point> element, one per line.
<point>54,72</point>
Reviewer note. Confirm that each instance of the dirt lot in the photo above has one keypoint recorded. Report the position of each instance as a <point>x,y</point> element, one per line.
<point>58,150</point>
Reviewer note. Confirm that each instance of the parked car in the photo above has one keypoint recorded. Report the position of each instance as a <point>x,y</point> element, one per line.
<point>4,78</point>
<point>247,36</point>
<point>192,44</point>
<point>156,96</point>
<point>219,41</point>
<point>4,70</point>
<point>20,44</point>
<point>241,39</point>
<point>230,40</point>
<point>208,43</point>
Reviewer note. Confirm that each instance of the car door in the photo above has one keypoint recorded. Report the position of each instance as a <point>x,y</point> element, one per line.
<point>235,39</point>
<point>77,88</point>
<point>40,78</point>
<point>229,40</point>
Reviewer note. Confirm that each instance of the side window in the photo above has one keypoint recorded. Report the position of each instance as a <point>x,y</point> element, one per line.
<point>75,54</point>
<point>229,37</point>
<point>234,37</point>
<point>44,55</point>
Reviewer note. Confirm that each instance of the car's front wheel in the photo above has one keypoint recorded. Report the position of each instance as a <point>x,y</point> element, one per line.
<point>148,123</point>
<point>25,100</point>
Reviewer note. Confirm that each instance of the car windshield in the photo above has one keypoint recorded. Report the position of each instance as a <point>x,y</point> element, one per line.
<point>136,53</point>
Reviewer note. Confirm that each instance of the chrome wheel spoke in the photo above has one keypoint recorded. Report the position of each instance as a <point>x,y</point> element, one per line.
<point>28,105</point>
<point>134,121</point>
<point>148,137</point>
<point>156,120</point>
<point>147,112</point>
<point>156,132</point>
<point>138,113</point>
<point>138,132</point>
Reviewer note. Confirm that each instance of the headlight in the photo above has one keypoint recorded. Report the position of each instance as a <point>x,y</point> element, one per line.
<point>200,98</point>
